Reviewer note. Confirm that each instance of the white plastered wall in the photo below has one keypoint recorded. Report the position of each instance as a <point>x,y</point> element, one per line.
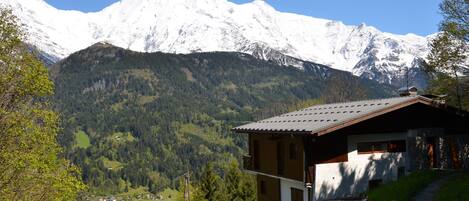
<point>285,189</point>
<point>347,179</point>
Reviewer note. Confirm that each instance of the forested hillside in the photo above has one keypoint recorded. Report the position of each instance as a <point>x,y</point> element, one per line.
<point>143,119</point>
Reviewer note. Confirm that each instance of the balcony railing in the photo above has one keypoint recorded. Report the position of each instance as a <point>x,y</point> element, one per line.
<point>248,163</point>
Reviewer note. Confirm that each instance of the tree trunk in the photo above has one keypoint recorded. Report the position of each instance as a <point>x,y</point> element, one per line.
<point>458,88</point>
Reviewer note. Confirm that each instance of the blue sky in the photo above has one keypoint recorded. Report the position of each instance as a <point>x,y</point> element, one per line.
<point>395,16</point>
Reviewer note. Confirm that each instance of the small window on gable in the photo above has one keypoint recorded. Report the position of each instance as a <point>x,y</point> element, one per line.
<point>293,151</point>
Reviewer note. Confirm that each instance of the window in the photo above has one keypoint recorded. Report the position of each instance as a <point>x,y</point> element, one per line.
<point>296,194</point>
<point>280,158</point>
<point>397,146</point>
<point>381,147</point>
<point>263,188</point>
<point>256,155</point>
<point>293,151</point>
<point>371,147</point>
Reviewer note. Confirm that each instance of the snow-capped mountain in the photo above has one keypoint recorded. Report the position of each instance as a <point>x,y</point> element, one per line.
<point>185,26</point>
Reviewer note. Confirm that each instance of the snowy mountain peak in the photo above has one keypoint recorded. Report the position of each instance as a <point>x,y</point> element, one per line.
<point>185,26</point>
<point>262,4</point>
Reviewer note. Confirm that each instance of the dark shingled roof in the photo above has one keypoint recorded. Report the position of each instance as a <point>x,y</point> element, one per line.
<point>322,119</point>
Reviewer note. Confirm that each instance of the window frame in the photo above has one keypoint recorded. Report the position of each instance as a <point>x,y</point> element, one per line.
<point>397,146</point>
<point>372,148</point>
<point>390,146</point>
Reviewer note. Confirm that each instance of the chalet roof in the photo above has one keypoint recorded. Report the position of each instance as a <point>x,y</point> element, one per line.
<point>322,119</point>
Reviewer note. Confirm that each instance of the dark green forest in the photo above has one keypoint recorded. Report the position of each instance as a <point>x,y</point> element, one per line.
<point>143,119</point>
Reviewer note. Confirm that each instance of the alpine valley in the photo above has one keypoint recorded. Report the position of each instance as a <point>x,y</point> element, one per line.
<point>148,89</point>
<point>256,28</point>
<point>135,120</point>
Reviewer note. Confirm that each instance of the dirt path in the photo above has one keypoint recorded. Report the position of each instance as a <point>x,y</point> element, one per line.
<point>428,194</point>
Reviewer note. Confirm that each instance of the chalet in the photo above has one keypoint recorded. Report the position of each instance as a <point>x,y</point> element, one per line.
<point>340,150</point>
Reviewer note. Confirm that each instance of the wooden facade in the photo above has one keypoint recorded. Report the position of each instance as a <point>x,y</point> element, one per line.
<point>276,155</point>
<point>327,149</point>
<point>268,188</point>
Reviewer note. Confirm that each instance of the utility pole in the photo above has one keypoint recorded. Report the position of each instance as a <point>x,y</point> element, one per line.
<point>187,181</point>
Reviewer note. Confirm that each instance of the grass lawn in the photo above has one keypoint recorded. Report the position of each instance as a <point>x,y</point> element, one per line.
<point>405,188</point>
<point>210,135</point>
<point>169,195</point>
<point>111,165</point>
<point>82,140</point>
<point>455,189</point>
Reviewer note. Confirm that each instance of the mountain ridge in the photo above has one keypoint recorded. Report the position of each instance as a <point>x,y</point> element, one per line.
<point>183,26</point>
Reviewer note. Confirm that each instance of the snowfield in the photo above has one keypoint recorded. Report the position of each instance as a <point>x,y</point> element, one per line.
<point>185,26</point>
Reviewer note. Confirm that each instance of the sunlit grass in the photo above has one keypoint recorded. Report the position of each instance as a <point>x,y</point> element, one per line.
<point>455,189</point>
<point>405,188</point>
<point>82,140</point>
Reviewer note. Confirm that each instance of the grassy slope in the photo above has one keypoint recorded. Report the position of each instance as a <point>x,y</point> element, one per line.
<point>110,164</point>
<point>455,189</point>
<point>82,140</point>
<point>405,188</point>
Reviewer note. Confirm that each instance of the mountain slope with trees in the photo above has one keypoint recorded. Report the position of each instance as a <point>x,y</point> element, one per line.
<point>143,119</point>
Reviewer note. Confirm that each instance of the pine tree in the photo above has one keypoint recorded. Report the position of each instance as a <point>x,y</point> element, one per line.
<point>233,180</point>
<point>248,188</point>
<point>211,185</point>
<point>30,168</point>
<point>239,186</point>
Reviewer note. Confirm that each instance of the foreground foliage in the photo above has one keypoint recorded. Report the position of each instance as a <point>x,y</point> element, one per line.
<point>405,188</point>
<point>448,59</point>
<point>30,168</point>
<point>455,189</point>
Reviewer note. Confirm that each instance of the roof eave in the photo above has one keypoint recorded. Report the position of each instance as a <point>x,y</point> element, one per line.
<point>340,125</point>
<point>294,132</point>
